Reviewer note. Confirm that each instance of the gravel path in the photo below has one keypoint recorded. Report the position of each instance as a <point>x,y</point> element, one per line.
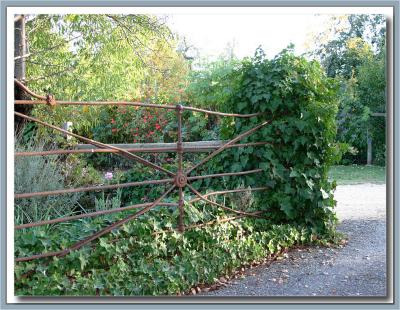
<point>358,269</point>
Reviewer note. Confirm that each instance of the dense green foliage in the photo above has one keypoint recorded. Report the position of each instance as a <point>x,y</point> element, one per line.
<point>300,103</point>
<point>353,50</point>
<point>212,83</point>
<point>132,261</point>
<point>101,57</point>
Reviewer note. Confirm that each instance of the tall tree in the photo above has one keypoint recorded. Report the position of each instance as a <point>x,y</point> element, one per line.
<point>101,57</point>
<point>352,49</point>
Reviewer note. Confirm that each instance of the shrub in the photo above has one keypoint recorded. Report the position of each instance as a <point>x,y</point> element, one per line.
<point>36,174</point>
<point>301,103</point>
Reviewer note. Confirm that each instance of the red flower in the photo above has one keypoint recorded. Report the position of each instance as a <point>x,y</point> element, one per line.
<point>112,121</point>
<point>158,127</point>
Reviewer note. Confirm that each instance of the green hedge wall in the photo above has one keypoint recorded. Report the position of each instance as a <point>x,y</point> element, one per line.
<point>301,104</point>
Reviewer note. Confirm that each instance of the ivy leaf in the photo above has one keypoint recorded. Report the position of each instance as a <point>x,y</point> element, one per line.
<point>294,174</point>
<point>241,106</point>
<point>310,183</point>
<point>325,195</point>
<point>287,207</point>
<point>83,260</point>
<point>243,160</point>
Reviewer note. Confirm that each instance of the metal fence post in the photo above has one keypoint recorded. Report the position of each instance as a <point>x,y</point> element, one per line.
<point>180,178</point>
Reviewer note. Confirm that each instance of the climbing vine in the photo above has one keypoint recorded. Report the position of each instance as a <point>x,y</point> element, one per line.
<point>300,102</point>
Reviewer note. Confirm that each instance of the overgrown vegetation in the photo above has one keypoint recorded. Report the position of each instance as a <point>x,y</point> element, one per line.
<point>299,101</point>
<point>147,256</point>
<point>36,174</point>
<point>143,259</point>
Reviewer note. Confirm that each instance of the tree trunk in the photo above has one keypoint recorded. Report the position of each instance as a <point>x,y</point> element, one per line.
<point>19,72</point>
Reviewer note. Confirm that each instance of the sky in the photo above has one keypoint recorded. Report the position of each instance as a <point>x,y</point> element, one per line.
<point>212,33</point>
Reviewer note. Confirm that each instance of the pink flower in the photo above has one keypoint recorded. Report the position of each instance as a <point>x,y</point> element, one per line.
<point>108,176</point>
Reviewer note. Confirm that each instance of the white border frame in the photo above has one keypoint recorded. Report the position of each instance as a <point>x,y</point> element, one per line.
<point>11,11</point>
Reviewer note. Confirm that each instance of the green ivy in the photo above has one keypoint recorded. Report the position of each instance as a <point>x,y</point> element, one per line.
<point>132,261</point>
<point>300,102</point>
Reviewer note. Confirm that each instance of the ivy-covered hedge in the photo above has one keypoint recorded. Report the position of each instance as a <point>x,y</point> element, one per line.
<point>300,102</point>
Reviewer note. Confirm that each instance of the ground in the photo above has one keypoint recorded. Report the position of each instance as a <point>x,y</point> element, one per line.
<point>357,269</point>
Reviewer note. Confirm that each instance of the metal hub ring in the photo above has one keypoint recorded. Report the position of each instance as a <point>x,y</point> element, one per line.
<point>180,179</point>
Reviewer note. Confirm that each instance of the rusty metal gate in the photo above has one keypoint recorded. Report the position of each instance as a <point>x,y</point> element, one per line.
<point>178,180</point>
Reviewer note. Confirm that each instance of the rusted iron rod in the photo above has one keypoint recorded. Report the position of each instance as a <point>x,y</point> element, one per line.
<point>221,113</point>
<point>180,179</point>
<point>97,235</point>
<point>226,174</point>
<point>230,191</point>
<point>90,188</point>
<point>223,147</point>
<point>129,103</point>
<point>98,103</point>
<point>91,214</point>
<point>42,255</point>
<point>26,89</point>
<point>189,149</point>
<point>160,146</point>
<point>138,104</point>
<point>121,152</point>
<point>217,204</point>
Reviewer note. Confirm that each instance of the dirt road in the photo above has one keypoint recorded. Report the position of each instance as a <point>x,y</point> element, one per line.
<point>358,269</point>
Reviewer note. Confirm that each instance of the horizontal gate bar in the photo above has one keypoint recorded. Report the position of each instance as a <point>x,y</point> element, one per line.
<point>45,100</point>
<point>218,204</point>
<point>90,188</point>
<point>91,214</point>
<point>159,147</point>
<point>130,184</point>
<point>226,174</point>
<point>135,104</point>
<point>191,147</point>
<point>230,191</point>
<point>98,103</point>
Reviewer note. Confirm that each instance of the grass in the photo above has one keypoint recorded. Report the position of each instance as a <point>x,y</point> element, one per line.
<point>355,174</point>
